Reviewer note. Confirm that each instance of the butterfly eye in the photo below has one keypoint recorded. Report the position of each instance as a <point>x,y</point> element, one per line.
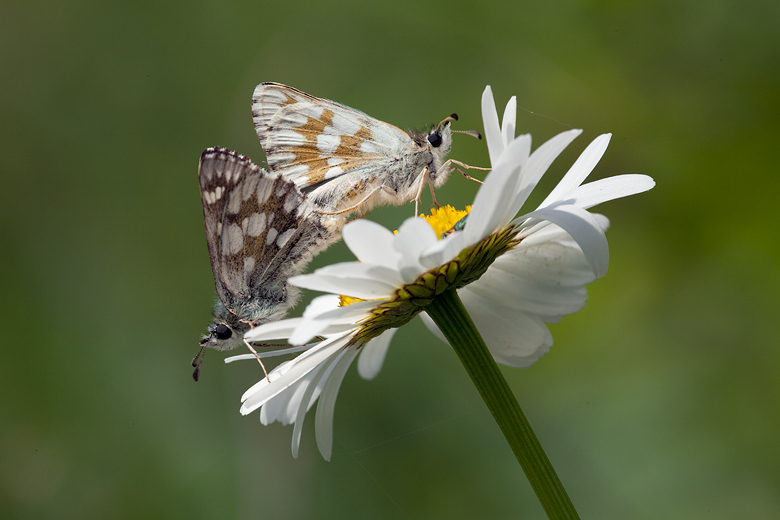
<point>435,139</point>
<point>223,331</point>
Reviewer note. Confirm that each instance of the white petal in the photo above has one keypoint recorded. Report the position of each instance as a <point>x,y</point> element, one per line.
<point>442,251</point>
<point>323,420</point>
<point>494,198</point>
<point>278,408</point>
<point>490,124</point>
<point>432,326</point>
<point>331,322</point>
<point>315,384</point>
<point>550,302</point>
<point>555,260</point>
<point>414,235</point>
<point>261,392</point>
<point>534,231</point>
<point>321,304</point>
<point>286,406</point>
<point>350,271</point>
<point>537,165</point>
<point>326,329</point>
<point>372,355</point>
<point>339,314</point>
<point>508,121</point>
<point>273,375</point>
<point>347,270</point>
<point>520,153</point>
<point>367,281</point>
<point>268,354</point>
<point>371,243</point>
<point>584,228</point>
<point>602,190</point>
<point>580,170</point>
<point>514,338</point>
<point>273,330</point>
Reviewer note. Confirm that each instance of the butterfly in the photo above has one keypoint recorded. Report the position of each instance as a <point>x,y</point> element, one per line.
<point>343,159</point>
<point>260,230</point>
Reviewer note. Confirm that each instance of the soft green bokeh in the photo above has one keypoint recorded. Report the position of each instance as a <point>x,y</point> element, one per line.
<point>659,400</point>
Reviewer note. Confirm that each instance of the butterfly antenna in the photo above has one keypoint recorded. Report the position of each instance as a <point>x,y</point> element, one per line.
<point>197,361</point>
<point>472,133</point>
<point>454,117</point>
<point>451,117</point>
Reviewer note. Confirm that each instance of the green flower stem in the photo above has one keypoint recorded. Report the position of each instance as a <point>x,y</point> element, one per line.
<point>448,312</point>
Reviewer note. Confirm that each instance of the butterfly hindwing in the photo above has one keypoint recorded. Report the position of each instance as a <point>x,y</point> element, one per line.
<point>259,229</point>
<point>219,172</point>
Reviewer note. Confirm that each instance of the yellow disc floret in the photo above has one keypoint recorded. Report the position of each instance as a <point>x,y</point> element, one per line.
<point>444,218</point>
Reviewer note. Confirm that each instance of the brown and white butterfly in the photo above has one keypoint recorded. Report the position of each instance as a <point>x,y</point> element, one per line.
<point>326,160</point>
<point>260,230</point>
<point>343,159</point>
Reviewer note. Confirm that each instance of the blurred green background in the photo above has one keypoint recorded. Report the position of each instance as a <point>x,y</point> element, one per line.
<point>659,400</point>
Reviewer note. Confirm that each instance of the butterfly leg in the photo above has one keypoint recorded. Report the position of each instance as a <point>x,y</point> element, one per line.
<point>450,162</point>
<point>258,358</point>
<point>418,197</point>
<point>251,326</point>
<point>433,195</point>
<point>469,177</point>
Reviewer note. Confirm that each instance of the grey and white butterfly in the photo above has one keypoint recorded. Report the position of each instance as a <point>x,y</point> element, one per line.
<point>260,230</point>
<point>343,159</point>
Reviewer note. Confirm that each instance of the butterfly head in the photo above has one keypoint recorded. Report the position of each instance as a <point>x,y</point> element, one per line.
<point>221,336</point>
<point>435,144</point>
<point>439,141</point>
<point>440,137</point>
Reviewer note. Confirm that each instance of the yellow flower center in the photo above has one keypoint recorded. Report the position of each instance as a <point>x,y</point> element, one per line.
<point>444,218</point>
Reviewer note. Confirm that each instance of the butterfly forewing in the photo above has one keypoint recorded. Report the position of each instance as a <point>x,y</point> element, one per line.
<point>312,140</point>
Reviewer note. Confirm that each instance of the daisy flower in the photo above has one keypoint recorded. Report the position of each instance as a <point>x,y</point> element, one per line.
<point>512,274</point>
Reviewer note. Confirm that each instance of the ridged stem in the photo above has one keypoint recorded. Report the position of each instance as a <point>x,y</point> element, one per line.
<point>448,312</point>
